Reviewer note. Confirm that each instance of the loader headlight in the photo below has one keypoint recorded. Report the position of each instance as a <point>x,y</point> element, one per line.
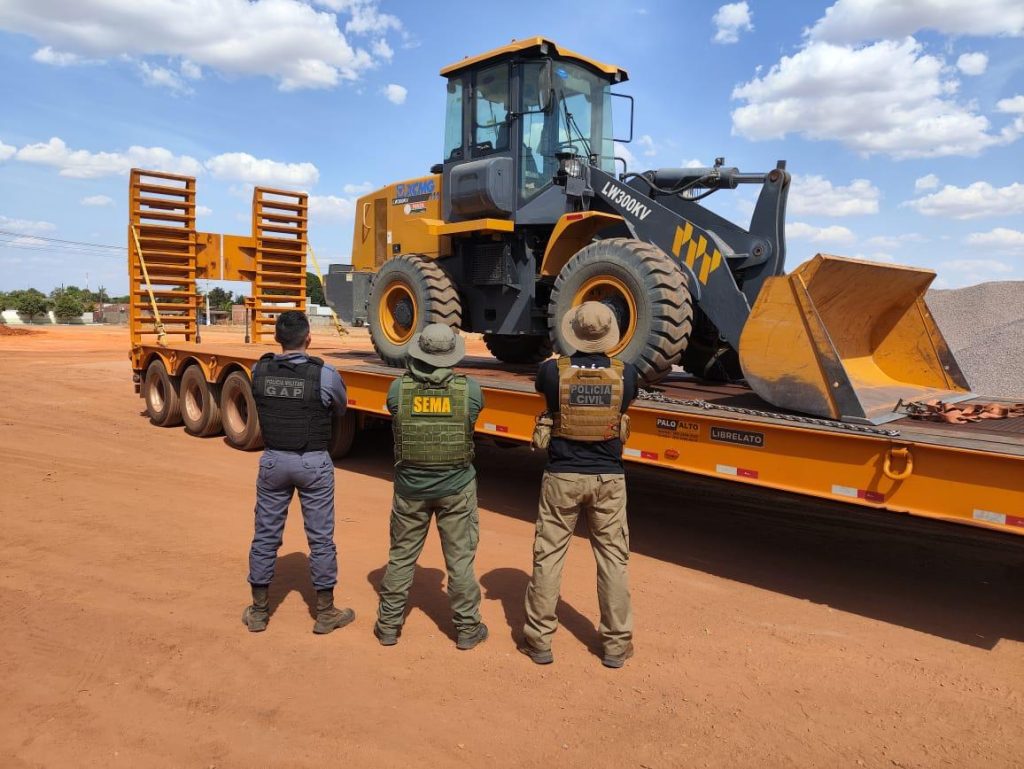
<point>569,164</point>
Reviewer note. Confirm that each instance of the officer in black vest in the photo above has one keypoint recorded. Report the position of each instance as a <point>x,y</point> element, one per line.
<point>296,396</point>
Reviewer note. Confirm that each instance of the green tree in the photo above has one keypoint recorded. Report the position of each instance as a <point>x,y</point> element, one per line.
<point>31,303</point>
<point>314,290</point>
<point>67,307</point>
<point>6,303</point>
<point>220,299</point>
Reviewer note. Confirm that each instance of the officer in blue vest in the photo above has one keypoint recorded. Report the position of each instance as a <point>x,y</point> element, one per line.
<point>296,397</point>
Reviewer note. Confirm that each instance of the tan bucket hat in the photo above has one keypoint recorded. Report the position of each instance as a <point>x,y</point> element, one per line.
<point>438,345</point>
<point>590,327</point>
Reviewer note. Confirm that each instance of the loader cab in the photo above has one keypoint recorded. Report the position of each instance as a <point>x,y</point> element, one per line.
<point>508,112</point>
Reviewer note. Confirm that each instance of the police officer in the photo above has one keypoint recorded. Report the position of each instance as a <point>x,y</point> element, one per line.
<point>587,395</point>
<point>296,396</point>
<point>434,411</point>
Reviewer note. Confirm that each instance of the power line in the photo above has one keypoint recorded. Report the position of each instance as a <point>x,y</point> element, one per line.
<point>58,240</point>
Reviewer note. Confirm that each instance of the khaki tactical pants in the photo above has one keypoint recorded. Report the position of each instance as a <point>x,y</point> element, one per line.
<point>602,498</point>
<point>458,524</point>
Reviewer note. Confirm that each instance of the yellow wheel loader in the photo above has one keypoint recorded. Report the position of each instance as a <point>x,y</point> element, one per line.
<point>530,213</point>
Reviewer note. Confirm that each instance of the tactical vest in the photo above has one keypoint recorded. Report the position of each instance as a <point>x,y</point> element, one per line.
<point>292,415</point>
<point>432,427</point>
<point>589,402</point>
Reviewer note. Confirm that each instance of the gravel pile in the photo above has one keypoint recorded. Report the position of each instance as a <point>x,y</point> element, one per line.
<point>984,326</point>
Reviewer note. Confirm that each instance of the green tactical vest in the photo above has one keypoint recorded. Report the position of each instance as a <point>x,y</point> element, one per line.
<point>432,426</point>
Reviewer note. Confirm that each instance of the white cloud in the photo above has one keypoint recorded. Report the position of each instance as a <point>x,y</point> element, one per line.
<point>290,41</point>
<point>972,64</point>
<point>975,200</point>
<point>693,163</point>
<point>331,207</point>
<point>191,70</point>
<point>203,211</point>
<point>815,195</point>
<point>358,189</point>
<point>999,239</point>
<point>730,20</point>
<point>877,256</point>
<point>6,151</point>
<point>382,49</point>
<point>624,152</point>
<point>889,97</point>
<point>46,55</point>
<point>929,182</point>
<point>25,226</point>
<point>82,164</point>
<point>976,270</point>
<point>851,21</point>
<point>831,234</point>
<point>1013,105</point>
<point>161,77</point>
<point>645,141</point>
<point>97,200</point>
<point>895,241</point>
<point>395,93</point>
<point>243,167</point>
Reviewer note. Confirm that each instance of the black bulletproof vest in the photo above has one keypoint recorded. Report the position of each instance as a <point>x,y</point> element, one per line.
<point>287,393</point>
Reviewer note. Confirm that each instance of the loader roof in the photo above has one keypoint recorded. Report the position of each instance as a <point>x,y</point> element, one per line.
<point>545,46</point>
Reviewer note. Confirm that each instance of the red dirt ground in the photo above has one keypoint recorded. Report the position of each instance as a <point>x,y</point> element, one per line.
<point>771,631</point>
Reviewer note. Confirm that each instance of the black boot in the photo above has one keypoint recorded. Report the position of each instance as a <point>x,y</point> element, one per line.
<point>328,617</point>
<point>257,615</point>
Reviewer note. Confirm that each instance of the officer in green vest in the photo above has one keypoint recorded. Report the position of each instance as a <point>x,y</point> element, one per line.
<point>433,413</point>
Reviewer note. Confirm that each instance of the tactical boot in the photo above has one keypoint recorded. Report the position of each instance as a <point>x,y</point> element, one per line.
<point>256,616</point>
<point>617,660</point>
<point>539,656</point>
<point>328,617</point>
<point>385,637</point>
<point>472,638</point>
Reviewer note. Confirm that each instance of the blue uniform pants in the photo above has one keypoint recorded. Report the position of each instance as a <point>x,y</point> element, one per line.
<point>280,474</point>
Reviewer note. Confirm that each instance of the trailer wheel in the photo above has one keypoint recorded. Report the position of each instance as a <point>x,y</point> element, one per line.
<point>238,410</point>
<point>518,348</point>
<point>200,406</point>
<point>162,404</point>
<point>645,289</point>
<point>407,293</point>
<point>343,434</point>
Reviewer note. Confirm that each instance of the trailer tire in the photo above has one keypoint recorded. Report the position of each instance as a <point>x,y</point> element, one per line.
<point>343,434</point>
<point>644,287</point>
<point>406,294</point>
<point>519,348</point>
<point>200,403</point>
<point>163,406</point>
<point>238,408</point>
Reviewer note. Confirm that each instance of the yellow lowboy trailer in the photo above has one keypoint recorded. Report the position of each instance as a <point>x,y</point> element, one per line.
<point>970,474</point>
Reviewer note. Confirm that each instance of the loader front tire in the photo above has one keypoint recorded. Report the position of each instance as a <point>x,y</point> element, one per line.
<point>518,348</point>
<point>645,289</point>
<point>407,293</point>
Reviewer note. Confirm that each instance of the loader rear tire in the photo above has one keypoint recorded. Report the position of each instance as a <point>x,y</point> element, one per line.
<point>647,292</point>
<point>519,348</point>
<point>238,409</point>
<point>163,407</point>
<point>407,293</point>
<point>200,406</point>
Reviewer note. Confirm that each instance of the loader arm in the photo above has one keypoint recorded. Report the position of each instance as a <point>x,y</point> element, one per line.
<point>701,253</point>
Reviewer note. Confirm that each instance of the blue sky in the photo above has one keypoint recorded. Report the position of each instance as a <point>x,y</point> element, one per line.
<point>902,123</point>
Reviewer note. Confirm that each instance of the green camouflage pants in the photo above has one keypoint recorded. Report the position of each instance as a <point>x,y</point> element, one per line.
<point>602,499</point>
<point>458,524</point>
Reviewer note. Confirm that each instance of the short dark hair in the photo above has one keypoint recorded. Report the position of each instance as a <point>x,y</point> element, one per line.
<point>291,329</point>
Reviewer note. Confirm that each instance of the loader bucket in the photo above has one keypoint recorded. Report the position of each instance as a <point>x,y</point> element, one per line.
<point>847,339</point>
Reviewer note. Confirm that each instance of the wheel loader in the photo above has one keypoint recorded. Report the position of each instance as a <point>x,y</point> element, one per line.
<point>530,212</point>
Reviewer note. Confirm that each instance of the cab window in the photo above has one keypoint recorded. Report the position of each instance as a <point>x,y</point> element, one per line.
<point>490,110</point>
<point>453,121</point>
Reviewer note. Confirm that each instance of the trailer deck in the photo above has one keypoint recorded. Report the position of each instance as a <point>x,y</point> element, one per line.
<point>968,474</point>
